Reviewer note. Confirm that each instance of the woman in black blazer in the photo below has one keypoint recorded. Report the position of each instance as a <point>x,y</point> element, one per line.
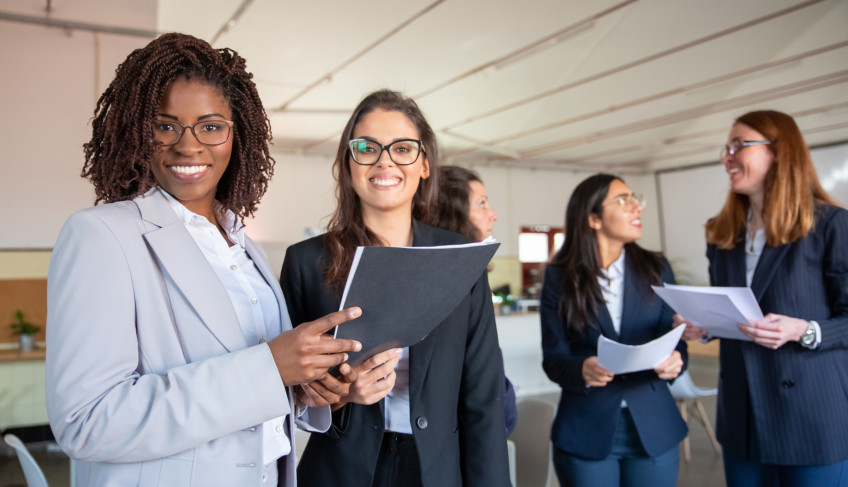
<point>433,414</point>
<point>609,430</point>
<point>782,396</point>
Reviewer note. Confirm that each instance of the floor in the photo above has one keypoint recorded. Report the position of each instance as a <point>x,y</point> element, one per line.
<point>704,470</point>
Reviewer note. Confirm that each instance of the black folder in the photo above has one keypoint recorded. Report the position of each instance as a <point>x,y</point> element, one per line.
<point>405,292</point>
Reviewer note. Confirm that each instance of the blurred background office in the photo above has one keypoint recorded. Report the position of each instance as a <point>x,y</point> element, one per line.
<point>534,96</point>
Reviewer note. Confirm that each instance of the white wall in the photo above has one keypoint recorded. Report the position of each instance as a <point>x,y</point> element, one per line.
<point>49,88</point>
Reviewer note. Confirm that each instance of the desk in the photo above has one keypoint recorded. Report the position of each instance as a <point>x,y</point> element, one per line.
<point>22,401</point>
<point>520,337</point>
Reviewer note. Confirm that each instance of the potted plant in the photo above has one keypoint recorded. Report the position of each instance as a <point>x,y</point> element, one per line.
<point>25,330</point>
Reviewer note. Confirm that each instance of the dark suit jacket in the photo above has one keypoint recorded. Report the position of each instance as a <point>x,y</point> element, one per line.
<point>456,387</point>
<point>791,401</point>
<point>586,419</point>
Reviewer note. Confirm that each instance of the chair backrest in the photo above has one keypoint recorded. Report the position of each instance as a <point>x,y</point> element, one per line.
<point>32,472</point>
<point>684,388</point>
<point>532,443</point>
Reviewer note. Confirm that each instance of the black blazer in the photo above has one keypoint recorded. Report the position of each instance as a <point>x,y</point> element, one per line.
<point>788,406</point>
<point>587,418</point>
<point>456,387</point>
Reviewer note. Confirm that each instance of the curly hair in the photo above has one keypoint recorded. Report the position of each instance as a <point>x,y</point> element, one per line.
<point>453,210</point>
<point>347,229</point>
<point>117,158</point>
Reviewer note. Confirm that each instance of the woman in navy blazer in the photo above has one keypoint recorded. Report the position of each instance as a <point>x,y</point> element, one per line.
<point>782,396</point>
<point>438,419</point>
<point>609,430</point>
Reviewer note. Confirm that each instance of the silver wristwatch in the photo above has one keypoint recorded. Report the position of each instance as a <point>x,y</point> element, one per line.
<point>808,339</point>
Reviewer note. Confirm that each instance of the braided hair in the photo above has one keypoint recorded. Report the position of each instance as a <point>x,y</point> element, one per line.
<point>117,158</point>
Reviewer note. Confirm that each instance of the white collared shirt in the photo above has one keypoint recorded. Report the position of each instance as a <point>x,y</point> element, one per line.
<point>253,299</point>
<point>396,406</point>
<point>612,287</point>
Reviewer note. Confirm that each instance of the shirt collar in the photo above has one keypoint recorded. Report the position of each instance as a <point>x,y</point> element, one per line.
<point>232,226</point>
<point>616,269</point>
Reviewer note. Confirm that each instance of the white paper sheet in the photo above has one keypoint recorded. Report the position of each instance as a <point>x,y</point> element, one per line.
<point>715,309</point>
<point>619,358</point>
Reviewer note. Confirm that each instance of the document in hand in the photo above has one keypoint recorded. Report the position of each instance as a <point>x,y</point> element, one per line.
<point>715,309</point>
<point>619,358</point>
<point>405,292</point>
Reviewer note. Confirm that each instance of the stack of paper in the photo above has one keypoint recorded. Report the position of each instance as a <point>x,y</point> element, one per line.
<point>715,309</point>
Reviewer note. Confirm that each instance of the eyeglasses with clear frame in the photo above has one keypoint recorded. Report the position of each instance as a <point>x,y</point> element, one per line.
<point>402,152</point>
<point>207,132</point>
<point>737,145</point>
<point>628,202</point>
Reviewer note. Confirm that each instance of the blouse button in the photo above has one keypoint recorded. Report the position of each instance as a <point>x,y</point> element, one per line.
<point>233,267</point>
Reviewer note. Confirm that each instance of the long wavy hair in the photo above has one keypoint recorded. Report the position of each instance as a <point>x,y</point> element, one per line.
<point>453,210</point>
<point>579,258</point>
<point>792,187</point>
<point>117,158</point>
<point>346,229</point>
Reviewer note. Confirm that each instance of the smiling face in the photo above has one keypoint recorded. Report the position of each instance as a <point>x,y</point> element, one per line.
<point>481,215</point>
<point>747,168</point>
<point>617,225</point>
<point>189,170</point>
<point>386,187</point>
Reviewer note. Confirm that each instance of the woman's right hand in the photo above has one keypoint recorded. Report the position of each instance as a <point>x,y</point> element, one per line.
<point>691,332</point>
<point>375,378</point>
<point>594,375</point>
<point>306,353</point>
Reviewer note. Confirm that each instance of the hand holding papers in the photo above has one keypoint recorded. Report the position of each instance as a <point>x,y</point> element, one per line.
<point>622,359</point>
<point>715,309</point>
<point>405,292</point>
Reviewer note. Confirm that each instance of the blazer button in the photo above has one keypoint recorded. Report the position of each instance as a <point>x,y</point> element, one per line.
<point>422,422</point>
<point>788,384</point>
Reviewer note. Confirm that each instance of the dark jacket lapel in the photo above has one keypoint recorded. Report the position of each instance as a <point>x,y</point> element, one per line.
<point>770,260</point>
<point>421,353</point>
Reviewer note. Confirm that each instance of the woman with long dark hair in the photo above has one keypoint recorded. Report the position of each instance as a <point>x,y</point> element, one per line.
<point>781,399</point>
<point>609,430</point>
<point>430,414</point>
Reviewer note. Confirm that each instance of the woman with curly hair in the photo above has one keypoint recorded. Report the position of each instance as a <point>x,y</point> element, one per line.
<point>171,357</point>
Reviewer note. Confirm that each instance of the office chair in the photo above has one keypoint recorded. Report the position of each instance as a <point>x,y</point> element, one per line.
<point>532,443</point>
<point>687,394</point>
<point>32,472</point>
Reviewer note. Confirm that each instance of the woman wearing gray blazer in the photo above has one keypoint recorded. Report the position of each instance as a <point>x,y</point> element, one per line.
<point>171,360</point>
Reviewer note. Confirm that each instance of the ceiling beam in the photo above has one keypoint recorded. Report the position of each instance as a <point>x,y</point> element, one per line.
<point>70,25</point>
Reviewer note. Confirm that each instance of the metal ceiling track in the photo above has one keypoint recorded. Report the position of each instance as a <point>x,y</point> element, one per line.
<point>70,25</point>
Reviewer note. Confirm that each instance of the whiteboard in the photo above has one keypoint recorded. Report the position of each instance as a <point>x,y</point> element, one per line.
<point>689,197</point>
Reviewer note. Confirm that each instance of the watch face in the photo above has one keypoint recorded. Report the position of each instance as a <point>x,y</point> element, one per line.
<point>809,337</point>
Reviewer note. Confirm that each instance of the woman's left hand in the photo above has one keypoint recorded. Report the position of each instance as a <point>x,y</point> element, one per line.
<point>326,390</point>
<point>670,368</point>
<point>774,330</point>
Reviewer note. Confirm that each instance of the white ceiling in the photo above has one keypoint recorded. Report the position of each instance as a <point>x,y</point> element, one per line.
<point>621,85</point>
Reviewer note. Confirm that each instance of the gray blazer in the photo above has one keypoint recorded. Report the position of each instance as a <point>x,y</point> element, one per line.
<point>150,380</point>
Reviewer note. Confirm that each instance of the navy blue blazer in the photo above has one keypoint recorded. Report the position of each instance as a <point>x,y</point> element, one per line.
<point>456,387</point>
<point>587,418</point>
<point>788,406</point>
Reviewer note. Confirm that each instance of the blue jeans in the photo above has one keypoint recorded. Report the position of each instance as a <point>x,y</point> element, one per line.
<point>627,465</point>
<point>746,473</point>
